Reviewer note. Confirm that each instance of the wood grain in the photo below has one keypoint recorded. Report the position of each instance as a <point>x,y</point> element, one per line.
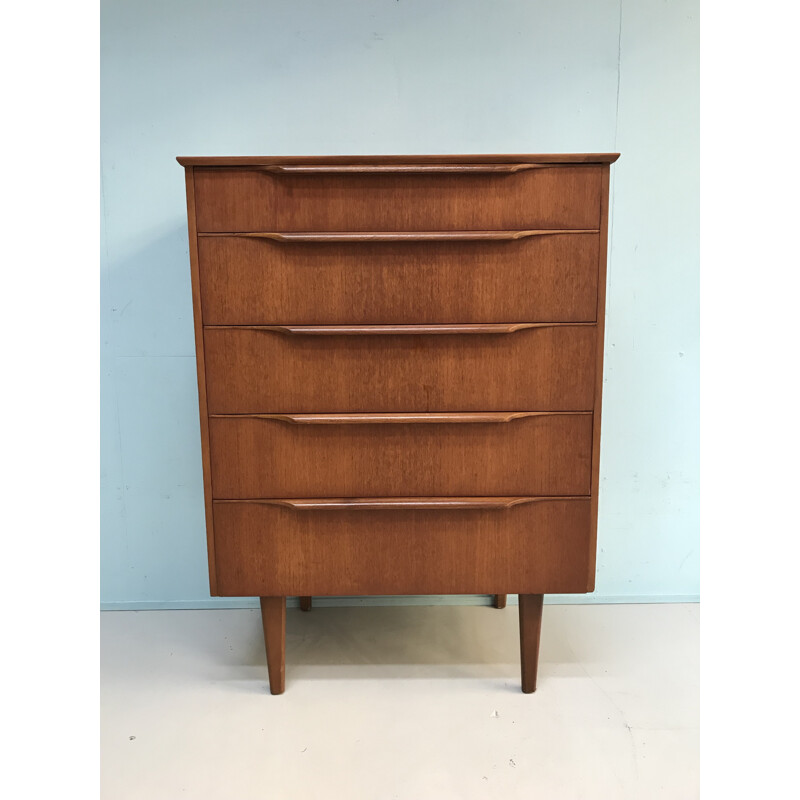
<point>545,454</point>
<point>241,200</point>
<point>246,281</point>
<point>266,549</point>
<point>400,371</point>
<point>273,619</point>
<point>530,626</point>
<point>260,371</point>
<point>197,307</point>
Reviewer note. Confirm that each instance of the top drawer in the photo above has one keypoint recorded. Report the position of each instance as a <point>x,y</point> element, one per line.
<point>281,198</point>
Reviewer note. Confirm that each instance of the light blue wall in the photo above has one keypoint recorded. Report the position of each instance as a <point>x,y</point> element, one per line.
<point>228,77</point>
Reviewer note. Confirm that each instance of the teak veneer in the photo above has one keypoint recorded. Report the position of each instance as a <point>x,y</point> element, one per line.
<point>399,364</point>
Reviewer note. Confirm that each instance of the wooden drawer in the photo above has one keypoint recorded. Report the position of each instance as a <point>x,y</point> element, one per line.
<point>293,369</point>
<point>373,455</point>
<point>261,281</point>
<point>464,197</point>
<point>381,547</point>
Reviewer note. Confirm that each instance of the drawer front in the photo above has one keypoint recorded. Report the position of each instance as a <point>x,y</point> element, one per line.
<point>374,455</point>
<point>263,200</point>
<point>549,368</point>
<point>535,547</point>
<point>247,281</point>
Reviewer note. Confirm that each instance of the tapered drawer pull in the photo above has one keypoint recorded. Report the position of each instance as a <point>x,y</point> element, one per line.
<point>399,330</point>
<point>315,237</point>
<point>400,503</point>
<point>397,419</point>
<point>425,169</point>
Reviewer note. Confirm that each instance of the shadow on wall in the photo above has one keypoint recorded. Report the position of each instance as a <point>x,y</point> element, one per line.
<point>153,528</point>
<point>147,296</point>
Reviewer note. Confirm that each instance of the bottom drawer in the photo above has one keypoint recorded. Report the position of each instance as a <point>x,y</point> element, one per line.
<point>503,545</point>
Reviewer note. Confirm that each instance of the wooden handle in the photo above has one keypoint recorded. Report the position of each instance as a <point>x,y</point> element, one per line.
<point>371,169</point>
<point>398,330</point>
<point>397,503</point>
<point>397,419</point>
<point>321,237</point>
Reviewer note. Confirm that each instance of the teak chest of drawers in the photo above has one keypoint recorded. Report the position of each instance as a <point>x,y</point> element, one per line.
<point>399,364</point>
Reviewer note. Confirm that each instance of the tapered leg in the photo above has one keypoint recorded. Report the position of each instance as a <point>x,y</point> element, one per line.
<point>530,626</point>
<point>305,604</point>
<point>500,600</point>
<point>273,617</point>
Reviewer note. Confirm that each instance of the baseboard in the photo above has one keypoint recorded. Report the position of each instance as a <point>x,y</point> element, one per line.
<point>412,600</point>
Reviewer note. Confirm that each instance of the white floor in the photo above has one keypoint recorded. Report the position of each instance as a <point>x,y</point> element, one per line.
<point>412,703</point>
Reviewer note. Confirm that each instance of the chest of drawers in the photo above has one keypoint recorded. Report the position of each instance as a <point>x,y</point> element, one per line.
<point>399,366</point>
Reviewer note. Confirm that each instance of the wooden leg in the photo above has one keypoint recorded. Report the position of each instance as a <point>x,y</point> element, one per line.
<point>305,604</point>
<point>500,600</point>
<point>273,618</point>
<point>530,626</point>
